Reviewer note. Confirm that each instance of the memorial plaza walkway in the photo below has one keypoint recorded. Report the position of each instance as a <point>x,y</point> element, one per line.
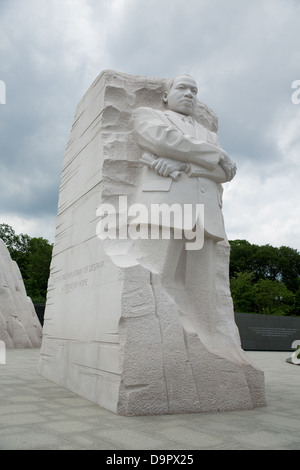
<point>36,414</point>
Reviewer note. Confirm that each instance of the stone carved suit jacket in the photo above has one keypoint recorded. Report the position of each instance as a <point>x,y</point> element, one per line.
<point>169,134</point>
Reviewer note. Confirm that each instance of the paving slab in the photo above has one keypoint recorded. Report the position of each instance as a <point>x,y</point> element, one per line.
<point>36,414</point>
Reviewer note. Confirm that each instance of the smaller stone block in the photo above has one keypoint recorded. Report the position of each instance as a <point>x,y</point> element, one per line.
<point>19,324</point>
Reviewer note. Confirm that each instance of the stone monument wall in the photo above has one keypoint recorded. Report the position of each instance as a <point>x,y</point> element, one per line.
<point>111,333</point>
<point>19,324</point>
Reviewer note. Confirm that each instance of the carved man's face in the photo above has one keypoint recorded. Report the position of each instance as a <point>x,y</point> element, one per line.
<point>182,96</point>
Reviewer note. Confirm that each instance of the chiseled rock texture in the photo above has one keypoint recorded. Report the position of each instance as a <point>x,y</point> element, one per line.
<point>111,333</point>
<point>19,324</point>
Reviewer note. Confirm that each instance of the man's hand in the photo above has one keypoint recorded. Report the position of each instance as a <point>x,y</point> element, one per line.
<point>227,165</point>
<point>166,166</point>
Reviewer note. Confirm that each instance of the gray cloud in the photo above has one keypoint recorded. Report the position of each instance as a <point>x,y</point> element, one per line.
<point>243,55</point>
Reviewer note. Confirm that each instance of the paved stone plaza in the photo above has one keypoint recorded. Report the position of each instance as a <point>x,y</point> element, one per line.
<point>36,414</point>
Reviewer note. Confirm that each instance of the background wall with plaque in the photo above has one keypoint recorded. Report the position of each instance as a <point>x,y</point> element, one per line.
<point>267,332</point>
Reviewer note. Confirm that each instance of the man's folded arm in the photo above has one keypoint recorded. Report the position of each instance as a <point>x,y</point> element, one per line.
<point>156,135</point>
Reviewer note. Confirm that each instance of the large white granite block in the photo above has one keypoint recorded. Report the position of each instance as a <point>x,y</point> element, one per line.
<point>114,332</point>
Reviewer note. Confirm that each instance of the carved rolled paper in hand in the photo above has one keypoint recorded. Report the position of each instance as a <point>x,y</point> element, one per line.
<point>148,159</point>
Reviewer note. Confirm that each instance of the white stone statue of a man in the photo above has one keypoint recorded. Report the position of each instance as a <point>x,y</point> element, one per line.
<point>184,164</point>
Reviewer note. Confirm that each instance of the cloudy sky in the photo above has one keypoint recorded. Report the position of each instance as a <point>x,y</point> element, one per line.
<point>245,55</point>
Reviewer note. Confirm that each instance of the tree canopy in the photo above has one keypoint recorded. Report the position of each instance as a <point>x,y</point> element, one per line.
<point>265,279</point>
<point>33,256</point>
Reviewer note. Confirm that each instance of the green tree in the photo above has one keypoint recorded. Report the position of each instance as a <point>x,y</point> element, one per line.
<point>11,240</point>
<point>264,296</point>
<point>37,270</point>
<point>273,297</point>
<point>243,292</point>
<point>296,309</point>
<point>242,257</point>
<point>17,245</point>
<point>265,278</point>
<point>266,262</point>
<point>33,256</point>
<point>289,263</point>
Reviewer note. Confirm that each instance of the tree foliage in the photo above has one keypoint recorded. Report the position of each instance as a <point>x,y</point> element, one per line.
<point>265,279</point>
<point>33,256</point>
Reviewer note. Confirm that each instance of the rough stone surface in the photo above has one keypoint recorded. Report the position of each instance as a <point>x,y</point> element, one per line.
<point>19,324</point>
<point>111,332</point>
